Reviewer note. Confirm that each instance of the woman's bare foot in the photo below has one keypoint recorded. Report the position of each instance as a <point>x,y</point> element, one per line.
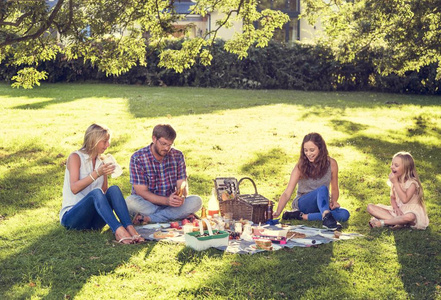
<point>137,238</point>
<point>122,236</point>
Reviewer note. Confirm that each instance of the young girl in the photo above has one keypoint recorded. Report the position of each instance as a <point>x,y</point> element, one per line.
<point>87,202</point>
<point>314,173</point>
<point>406,197</point>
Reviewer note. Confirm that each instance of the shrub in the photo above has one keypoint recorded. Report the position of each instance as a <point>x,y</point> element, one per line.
<point>278,66</point>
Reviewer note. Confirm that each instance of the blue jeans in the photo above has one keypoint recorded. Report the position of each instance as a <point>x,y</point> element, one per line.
<point>96,210</point>
<point>316,202</point>
<point>162,213</point>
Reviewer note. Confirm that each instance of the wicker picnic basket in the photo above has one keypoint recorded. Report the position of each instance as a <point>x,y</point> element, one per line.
<point>242,206</point>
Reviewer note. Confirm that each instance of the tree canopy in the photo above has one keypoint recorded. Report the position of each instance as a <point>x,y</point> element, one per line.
<point>402,35</point>
<point>113,34</point>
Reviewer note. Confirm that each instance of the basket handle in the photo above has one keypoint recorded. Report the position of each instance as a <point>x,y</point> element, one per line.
<point>252,181</point>
<point>201,228</point>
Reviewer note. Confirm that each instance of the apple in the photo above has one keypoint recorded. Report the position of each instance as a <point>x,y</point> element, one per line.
<point>174,225</point>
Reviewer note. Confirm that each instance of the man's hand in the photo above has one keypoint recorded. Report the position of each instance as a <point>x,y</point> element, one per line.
<point>175,201</point>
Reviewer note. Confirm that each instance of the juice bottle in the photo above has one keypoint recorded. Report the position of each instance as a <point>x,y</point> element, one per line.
<point>213,204</point>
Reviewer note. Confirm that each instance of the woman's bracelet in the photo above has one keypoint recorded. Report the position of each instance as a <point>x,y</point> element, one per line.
<point>92,177</point>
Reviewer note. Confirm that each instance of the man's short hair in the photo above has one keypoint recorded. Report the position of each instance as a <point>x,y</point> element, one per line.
<point>164,131</point>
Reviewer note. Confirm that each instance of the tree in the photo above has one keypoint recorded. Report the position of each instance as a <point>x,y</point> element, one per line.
<point>113,34</point>
<point>402,35</point>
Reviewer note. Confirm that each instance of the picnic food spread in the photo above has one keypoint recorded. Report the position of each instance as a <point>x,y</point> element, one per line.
<point>232,225</point>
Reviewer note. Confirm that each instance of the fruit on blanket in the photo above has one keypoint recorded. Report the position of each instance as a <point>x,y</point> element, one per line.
<point>185,221</point>
<point>174,225</point>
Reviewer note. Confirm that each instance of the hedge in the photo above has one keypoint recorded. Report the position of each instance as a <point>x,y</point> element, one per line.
<point>277,66</point>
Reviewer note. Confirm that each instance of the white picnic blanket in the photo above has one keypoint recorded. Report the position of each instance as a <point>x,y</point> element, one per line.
<point>313,237</point>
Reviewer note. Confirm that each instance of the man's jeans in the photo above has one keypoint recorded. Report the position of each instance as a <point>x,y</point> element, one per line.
<point>163,213</point>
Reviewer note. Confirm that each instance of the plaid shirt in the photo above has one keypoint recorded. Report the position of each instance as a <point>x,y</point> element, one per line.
<point>159,176</point>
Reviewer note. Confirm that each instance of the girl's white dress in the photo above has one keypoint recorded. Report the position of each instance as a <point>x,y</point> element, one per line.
<point>412,206</point>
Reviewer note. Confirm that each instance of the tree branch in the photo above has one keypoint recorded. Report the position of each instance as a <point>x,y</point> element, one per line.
<point>39,31</point>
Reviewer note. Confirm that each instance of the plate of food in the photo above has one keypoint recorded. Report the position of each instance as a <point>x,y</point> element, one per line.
<point>264,244</point>
<point>295,235</point>
<point>306,231</point>
<point>163,234</point>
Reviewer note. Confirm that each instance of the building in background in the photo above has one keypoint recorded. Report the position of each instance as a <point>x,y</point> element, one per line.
<point>294,30</point>
<point>197,25</point>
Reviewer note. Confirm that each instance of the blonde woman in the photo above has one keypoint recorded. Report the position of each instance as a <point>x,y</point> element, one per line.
<point>406,197</point>
<point>88,203</point>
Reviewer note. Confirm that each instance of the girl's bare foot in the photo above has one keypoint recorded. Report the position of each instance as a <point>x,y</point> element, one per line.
<point>375,223</point>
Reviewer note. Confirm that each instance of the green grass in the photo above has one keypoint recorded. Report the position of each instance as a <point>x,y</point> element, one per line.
<point>222,133</point>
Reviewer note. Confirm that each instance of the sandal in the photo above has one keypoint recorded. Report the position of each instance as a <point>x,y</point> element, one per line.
<point>121,241</point>
<point>138,239</point>
<point>139,220</point>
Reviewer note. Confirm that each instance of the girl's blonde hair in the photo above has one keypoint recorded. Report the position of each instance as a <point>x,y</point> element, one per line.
<point>410,172</point>
<point>94,134</point>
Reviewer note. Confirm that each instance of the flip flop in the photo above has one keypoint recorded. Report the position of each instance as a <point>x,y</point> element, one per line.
<point>121,241</point>
<point>136,237</point>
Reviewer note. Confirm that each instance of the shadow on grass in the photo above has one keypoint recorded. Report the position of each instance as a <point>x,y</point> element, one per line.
<point>265,164</point>
<point>258,276</point>
<point>159,102</point>
<point>35,271</point>
<point>29,186</point>
<point>420,260</point>
<point>43,104</point>
<point>348,126</point>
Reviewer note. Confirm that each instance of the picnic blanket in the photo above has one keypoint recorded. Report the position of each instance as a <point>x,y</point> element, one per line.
<point>313,238</point>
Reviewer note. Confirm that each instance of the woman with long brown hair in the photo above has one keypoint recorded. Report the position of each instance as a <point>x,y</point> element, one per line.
<point>315,172</point>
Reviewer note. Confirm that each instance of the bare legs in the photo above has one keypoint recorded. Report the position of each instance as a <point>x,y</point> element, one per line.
<point>381,214</point>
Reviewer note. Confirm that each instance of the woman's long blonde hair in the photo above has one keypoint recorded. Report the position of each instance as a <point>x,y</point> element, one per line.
<point>410,172</point>
<point>94,134</point>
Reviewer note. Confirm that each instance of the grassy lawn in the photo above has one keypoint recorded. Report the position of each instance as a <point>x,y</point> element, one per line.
<point>222,133</point>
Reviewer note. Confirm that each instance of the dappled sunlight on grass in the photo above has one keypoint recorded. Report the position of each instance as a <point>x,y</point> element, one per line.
<point>222,133</point>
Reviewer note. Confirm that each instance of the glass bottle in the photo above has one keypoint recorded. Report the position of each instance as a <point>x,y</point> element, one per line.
<point>213,204</point>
